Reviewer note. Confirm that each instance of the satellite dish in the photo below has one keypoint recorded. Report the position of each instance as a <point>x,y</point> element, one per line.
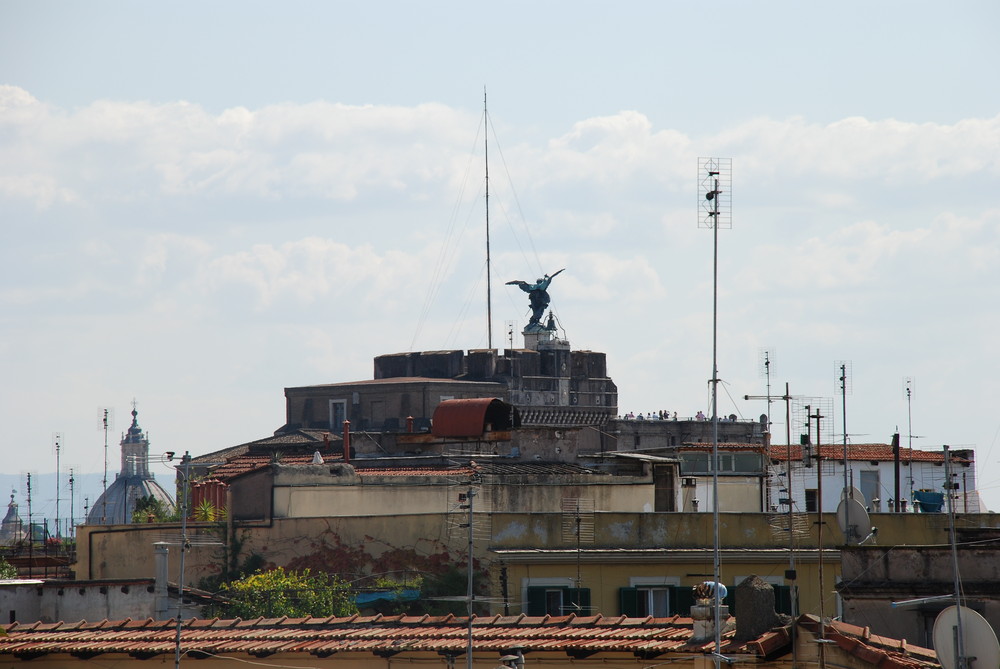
<point>854,493</point>
<point>979,640</point>
<point>853,520</point>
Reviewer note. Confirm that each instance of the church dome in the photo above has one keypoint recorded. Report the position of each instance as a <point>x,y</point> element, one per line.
<point>12,527</point>
<point>116,505</point>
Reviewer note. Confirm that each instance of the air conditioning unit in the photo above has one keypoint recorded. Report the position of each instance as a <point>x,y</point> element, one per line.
<point>689,481</point>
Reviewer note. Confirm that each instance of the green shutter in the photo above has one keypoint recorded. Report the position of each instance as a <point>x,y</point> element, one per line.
<point>681,600</point>
<point>783,599</point>
<point>536,601</point>
<point>628,603</point>
<point>577,600</point>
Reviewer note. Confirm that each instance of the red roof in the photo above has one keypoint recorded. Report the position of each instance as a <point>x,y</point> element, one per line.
<point>575,636</point>
<point>251,462</point>
<point>473,417</point>
<point>870,452</point>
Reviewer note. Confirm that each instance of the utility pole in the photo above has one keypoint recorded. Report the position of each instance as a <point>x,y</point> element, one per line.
<point>819,535</point>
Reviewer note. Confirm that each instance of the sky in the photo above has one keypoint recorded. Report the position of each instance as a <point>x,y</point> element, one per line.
<point>205,203</point>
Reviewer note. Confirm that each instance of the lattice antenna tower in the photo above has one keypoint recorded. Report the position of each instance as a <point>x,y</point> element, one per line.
<point>800,418</point>
<point>715,196</point>
<point>106,422</point>
<point>460,522</point>
<point>715,185</point>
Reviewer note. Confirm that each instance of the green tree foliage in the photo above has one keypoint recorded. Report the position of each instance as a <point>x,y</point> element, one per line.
<point>278,592</point>
<point>205,511</point>
<point>150,509</point>
<point>7,570</point>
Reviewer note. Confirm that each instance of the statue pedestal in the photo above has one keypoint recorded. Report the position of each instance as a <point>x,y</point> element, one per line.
<point>539,338</point>
<point>533,337</point>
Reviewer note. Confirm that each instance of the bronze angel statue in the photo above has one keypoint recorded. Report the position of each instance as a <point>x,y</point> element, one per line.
<point>538,296</point>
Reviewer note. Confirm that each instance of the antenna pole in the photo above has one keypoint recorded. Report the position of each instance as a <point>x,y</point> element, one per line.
<point>962,662</point>
<point>848,492</point>
<point>716,562</point>
<point>819,537</point>
<point>104,497</point>
<point>489,282</point>
<point>793,576</point>
<point>714,215</point>
<point>909,436</point>
<point>186,463</point>
<point>31,534</point>
<point>58,439</point>
<point>470,591</point>
<point>71,530</point>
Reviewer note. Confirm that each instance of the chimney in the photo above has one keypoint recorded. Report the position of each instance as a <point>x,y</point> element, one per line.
<point>347,442</point>
<point>160,596</point>
<point>703,612</point>
<point>754,609</point>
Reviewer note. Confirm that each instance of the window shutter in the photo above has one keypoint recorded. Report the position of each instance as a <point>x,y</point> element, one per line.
<point>577,600</point>
<point>628,603</point>
<point>681,600</point>
<point>783,599</point>
<point>536,601</point>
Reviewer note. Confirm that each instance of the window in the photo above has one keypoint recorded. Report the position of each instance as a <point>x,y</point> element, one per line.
<point>558,601</point>
<point>870,488</point>
<point>736,462</point>
<point>659,601</point>
<point>338,414</point>
<point>811,499</point>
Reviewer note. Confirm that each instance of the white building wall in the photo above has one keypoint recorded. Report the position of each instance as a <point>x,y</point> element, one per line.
<point>913,476</point>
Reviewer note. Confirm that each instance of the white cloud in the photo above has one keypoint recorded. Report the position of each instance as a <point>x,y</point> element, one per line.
<point>258,248</point>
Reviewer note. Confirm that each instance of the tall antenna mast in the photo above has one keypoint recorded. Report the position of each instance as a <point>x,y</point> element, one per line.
<point>489,282</point>
<point>31,534</point>
<point>819,531</point>
<point>766,361</point>
<point>715,206</point>
<point>910,385</point>
<point>72,519</point>
<point>844,369</point>
<point>57,441</point>
<point>104,481</point>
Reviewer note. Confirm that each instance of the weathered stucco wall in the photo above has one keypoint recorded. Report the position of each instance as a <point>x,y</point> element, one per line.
<point>53,601</point>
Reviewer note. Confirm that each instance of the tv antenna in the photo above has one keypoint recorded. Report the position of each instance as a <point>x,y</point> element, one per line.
<point>765,365</point>
<point>71,530</point>
<point>715,185</point>
<point>57,440</point>
<point>844,387</point>
<point>909,389</point>
<point>106,416</point>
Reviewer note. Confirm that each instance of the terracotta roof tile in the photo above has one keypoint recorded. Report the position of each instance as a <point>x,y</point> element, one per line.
<point>380,634</point>
<point>861,452</point>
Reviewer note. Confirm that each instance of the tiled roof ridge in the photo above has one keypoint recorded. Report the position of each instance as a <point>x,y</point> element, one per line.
<point>881,651</point>
<point>354,621</point>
